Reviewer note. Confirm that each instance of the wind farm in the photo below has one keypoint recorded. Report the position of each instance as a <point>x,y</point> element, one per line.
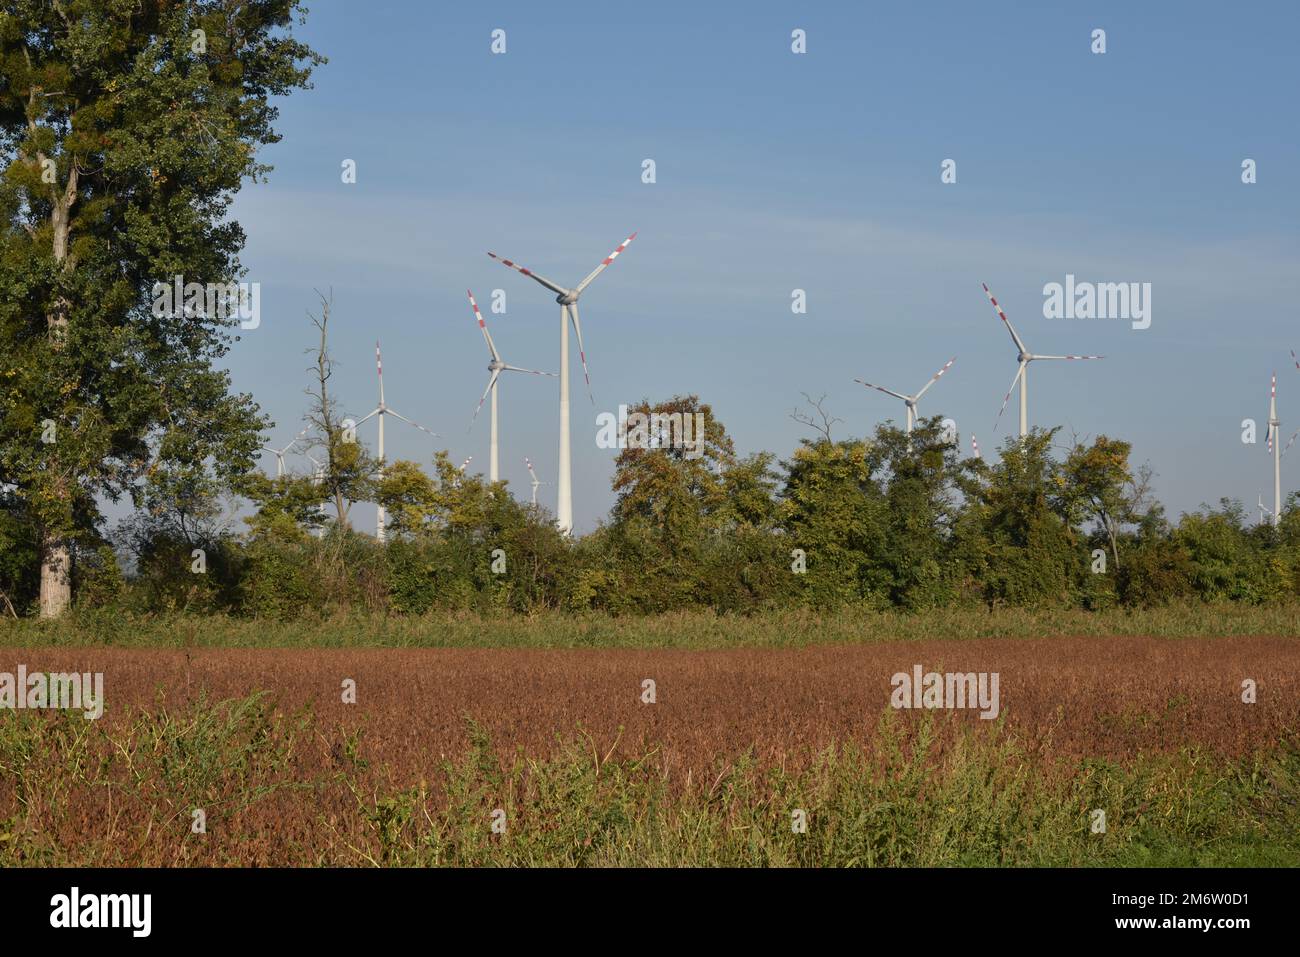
<point>568,301</point>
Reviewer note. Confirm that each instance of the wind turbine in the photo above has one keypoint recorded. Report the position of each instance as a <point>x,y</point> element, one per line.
<point>1264,512</point>
<point>536,483</point>
<point>1022,373</point>
<point>1275,447</point>
<point>496,367</point>
<point>383,410</point>
<point>279,453</point>
<point>911,400</point>
<point>568,300</point>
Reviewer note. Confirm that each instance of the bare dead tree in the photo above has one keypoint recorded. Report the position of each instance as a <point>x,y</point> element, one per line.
<point>348,466</point>
<point>822,421</point>
<point>1140,497</point>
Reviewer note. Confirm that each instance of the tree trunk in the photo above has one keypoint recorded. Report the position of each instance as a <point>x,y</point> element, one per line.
<point>1114,546</point>
<point>56,577</point>
<point>56,557</point>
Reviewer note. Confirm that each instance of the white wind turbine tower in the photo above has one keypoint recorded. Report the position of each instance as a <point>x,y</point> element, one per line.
<point>496,367</point>
<point>1022,373</point>
<point>911,400</point>
<point>568,300</point>
<point>976,447</point>
<point>382,410</point>
<point>536,482</point>
<point>1275,447</point>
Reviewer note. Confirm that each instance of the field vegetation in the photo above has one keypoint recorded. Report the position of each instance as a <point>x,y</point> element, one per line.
<point>1154,733</point>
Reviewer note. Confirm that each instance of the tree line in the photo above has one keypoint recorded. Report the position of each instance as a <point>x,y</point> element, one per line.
<point>895,520</point>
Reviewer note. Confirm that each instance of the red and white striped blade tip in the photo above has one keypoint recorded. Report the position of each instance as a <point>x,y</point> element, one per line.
<point>621,246</point>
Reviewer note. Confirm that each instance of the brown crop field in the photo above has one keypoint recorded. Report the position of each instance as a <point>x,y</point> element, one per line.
<point>1104,697</point>
<point>302,776</point>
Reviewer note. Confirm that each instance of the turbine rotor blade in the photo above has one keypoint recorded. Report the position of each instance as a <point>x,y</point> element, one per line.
<point>1069,357</point>
<point>398,415</point>
<point>880,388</point>
<point>1010,328</point>
<point>604,262</point>
<point>487,336</point>
<point>1019,372</point>
<point>554,287</point>
<point>532,371</point>
<point>935,378</point>
<point>492,380</point>
<point>582,354</point>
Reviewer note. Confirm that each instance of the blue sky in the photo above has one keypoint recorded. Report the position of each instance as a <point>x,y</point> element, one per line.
<point>778,171</point>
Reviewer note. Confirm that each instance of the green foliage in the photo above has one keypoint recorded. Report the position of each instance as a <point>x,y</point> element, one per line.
<point>835,512</point>
<point>1034,555</point>
<point>1223,565</point>
<point>921,510</point>
<point>897,521</point>
<point>122,143</point>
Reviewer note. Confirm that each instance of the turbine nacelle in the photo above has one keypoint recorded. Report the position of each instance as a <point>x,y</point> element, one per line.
<point>567,298</point>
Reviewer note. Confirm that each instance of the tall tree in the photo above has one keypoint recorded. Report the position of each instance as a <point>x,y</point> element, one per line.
<point>670,475</point>
<point>919,470</point>
<point>1032,555</point>
<point>126,127</point>
<point>1097,487</point>
<point>833,510</point>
